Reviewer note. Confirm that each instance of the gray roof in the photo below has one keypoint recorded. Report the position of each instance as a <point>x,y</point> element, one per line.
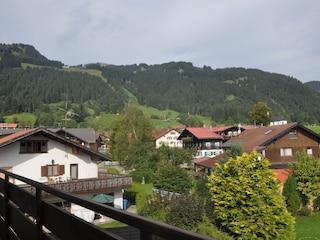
<point>85,134</point>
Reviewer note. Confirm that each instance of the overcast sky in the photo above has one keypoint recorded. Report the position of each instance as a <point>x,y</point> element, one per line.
<point>281,36</point>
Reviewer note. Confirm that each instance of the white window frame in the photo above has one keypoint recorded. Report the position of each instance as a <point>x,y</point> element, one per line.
<point>285,152</point>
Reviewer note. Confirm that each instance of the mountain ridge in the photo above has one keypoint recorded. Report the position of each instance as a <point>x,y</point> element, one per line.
<point>223,94</point>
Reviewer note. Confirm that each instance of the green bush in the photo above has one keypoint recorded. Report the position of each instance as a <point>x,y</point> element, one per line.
<point>155,210</point>
<point>130,196</point>
<point>207,228</point>
<point>112,171</point>
<point>316,204</point>
<point>185,212</point>
<point>139,175</point>
<point>292,195</point>
<point>305,211</point>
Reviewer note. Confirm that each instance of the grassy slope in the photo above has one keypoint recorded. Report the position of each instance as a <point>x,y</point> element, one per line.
<point>308,227</point>
<point>314,128</point>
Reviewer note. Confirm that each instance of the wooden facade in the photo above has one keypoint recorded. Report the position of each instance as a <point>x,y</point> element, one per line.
<point>304,141</point>
<point>278,143</point>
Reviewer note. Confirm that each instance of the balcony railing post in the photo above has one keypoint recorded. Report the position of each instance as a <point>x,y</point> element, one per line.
<point>39,216</point>
<point>6,208</point>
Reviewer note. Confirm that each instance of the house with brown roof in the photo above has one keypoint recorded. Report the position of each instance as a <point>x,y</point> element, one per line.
<point>206,164</point>
<point>46,157</point>
<point>228,132</point>
<point>278,143</point>
<point>203,140</point>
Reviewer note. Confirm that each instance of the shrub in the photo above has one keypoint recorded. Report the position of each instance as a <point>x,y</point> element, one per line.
<point>185,212</point>
<point>293,199</point>
<point>207,228</point>
<point>316,204</point>
<point>130,196</point>
<point>305,211</point>
<point>113,171</point>
<point>140,174</point>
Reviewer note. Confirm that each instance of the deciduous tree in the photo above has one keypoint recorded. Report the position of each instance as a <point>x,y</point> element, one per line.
<point>131,138</point>
<point>260,114</point>
<point>247,199</point>
<point>307,173</point>
<point>172,178</point>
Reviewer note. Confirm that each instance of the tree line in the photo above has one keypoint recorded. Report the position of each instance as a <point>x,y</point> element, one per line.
<point>224,95</point>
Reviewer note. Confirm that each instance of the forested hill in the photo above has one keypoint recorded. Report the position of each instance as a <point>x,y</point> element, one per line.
<point>314,85</point>
<point>222,94</point>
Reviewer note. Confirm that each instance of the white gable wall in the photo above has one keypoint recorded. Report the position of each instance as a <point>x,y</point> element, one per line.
<point>29,164</point>
<point>169,139</point>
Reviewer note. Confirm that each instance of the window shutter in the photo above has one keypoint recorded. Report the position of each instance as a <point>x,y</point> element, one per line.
<point>61,170</point>
<point>44,171</point>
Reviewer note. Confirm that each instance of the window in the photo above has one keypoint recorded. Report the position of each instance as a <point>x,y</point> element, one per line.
<point>293,134</point>
<point>37,146</point>
<point>285,152</point>
<point>309,150</point>
<point>74,171</point>
<point>51,170</point>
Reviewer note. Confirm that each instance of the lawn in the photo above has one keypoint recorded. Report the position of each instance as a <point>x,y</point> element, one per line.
<point>314,128</point>
<point>308,227</point>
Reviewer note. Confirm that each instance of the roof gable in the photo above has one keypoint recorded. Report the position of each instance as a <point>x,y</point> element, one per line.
<point>200,133</point>
<point>12,138</point>
<point>258,138</point>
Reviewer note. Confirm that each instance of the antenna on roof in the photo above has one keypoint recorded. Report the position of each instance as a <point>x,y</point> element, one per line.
<point>68,113</point>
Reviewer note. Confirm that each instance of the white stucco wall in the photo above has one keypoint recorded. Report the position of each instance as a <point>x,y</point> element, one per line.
<point>208,153</point>
<point>169,139</point>
<point>29,164</point>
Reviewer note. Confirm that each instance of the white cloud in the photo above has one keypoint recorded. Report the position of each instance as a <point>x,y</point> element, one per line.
<point>275,36</point>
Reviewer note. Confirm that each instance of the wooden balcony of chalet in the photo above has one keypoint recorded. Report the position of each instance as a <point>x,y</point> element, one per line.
<point>104,183</point>
<point>28,215</point>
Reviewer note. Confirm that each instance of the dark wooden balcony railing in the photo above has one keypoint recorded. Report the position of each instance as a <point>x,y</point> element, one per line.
<point>24,215</point>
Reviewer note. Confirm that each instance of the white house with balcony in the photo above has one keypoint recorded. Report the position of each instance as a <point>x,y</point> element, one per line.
<point>168,138</point>
<point>43,156</point>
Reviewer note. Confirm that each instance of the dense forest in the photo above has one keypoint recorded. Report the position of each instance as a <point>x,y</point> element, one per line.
<point>29,82</point>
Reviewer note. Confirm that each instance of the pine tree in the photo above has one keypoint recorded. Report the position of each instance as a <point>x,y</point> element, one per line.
<point>292,195</point>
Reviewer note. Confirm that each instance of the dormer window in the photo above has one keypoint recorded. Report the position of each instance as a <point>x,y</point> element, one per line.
<point>293,134</point>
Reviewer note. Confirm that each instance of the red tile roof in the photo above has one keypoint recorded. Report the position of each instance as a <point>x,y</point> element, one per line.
<point>157,133</point>
<point>16,135</point>
<point>221,128</point>
<point>282,174</point>
<point>203,133</point>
